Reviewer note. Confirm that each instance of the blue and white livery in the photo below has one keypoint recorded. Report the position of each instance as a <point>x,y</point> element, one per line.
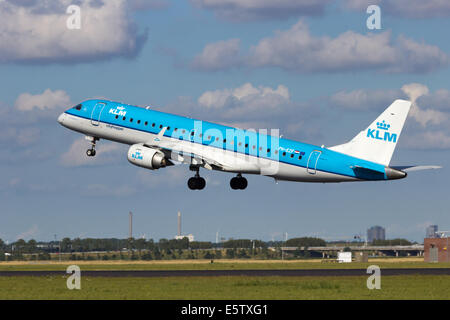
<point>159,140</point>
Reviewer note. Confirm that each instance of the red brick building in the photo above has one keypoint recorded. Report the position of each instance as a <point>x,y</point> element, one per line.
<point>437,249</point>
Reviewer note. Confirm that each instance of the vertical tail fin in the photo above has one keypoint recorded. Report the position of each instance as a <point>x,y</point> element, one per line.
<point>377,143</point>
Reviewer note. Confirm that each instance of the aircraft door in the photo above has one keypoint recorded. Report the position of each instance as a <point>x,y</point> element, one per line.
<point>312,161</point>
<point>96,113</point>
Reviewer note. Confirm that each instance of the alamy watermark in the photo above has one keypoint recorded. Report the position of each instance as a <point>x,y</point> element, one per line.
<point>374,20</point>
<point>74,280</point>
<point>374,281</point>
<point>73,22</point>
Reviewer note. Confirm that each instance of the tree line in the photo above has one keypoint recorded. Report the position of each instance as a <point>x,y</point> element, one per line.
<point>163,249</point>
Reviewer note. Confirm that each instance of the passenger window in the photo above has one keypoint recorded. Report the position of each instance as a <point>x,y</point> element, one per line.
<point>131,119</point>
<point>168,128</point>
<point>284,153</point>
<point>146,123</point>
<point>292,155</point>
<point>124,118</point>
<point>139,121</point>
<point>117,117</point>
<point>246,145</point>
<point>160,126</point>
<point>299,157</point>
<point>153,124</point>
<point>268,150</point>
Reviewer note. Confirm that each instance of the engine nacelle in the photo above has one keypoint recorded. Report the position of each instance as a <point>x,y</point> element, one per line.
<point>146,157</point>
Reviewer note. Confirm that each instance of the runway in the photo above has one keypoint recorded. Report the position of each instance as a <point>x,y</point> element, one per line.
<point>227,273</point>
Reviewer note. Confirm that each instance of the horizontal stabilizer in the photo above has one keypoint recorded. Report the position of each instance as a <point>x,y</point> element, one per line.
<point>368,173</point>
<point>415,168</point>
<point>367,169</point>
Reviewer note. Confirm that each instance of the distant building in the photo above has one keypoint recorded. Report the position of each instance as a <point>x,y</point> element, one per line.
<point>376,233</point>
<point>431,231</point>
<point>180,236</point>
<point>189,236</point>
<point>437,249</point>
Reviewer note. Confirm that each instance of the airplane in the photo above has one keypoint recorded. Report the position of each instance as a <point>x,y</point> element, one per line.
<point>158,139</point>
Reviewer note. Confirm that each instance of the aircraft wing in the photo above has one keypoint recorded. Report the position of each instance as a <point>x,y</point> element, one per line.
<point>192,154</point>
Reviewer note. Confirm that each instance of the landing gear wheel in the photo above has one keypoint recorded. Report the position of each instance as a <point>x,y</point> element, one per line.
<point>234,183</point>
<point>238,183</point>
<point>196,183</point>
<point>90,152</point>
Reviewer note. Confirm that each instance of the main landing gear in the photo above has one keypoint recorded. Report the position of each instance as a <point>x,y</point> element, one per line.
<point>196,182</point>
<point>238,182</point>
<point>91,152</point>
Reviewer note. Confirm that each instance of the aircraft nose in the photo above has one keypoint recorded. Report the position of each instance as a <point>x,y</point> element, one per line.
<point>61,118</point>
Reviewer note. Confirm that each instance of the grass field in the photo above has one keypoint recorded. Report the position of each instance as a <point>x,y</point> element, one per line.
<point>218,264</point>
<point>224,287</point>
<point>233,288</point>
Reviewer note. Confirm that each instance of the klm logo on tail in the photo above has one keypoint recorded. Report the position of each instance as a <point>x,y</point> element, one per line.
<point>382,133</point>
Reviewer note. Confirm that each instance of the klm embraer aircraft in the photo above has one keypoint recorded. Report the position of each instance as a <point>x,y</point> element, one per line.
<point>160,140</point>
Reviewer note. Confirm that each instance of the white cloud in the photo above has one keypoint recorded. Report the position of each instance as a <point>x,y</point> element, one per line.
<point>238,10</point>
<point>427,140</point>
<point>433,130</point>
<point>217,56</point>
<point>49,99</point>
<point>297,50</point>
<point>251,107</point>
<point>246,99</point>
<point>36,31</point>
<point>405,8</point>
<point>106,153</point>
<point>440,99</point>
<point>364,99</point>
<point>423,116</point>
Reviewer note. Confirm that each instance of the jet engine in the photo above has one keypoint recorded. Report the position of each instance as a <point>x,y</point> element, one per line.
<point>146,157</point>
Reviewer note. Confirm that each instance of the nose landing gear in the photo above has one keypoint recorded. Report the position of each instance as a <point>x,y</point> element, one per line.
<point>238,182</point>
<point>91,152</point>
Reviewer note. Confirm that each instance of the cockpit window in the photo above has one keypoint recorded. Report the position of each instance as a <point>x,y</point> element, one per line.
<point>78,106</point>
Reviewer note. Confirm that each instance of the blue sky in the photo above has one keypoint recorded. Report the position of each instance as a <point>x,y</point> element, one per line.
<point>328,77</point>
